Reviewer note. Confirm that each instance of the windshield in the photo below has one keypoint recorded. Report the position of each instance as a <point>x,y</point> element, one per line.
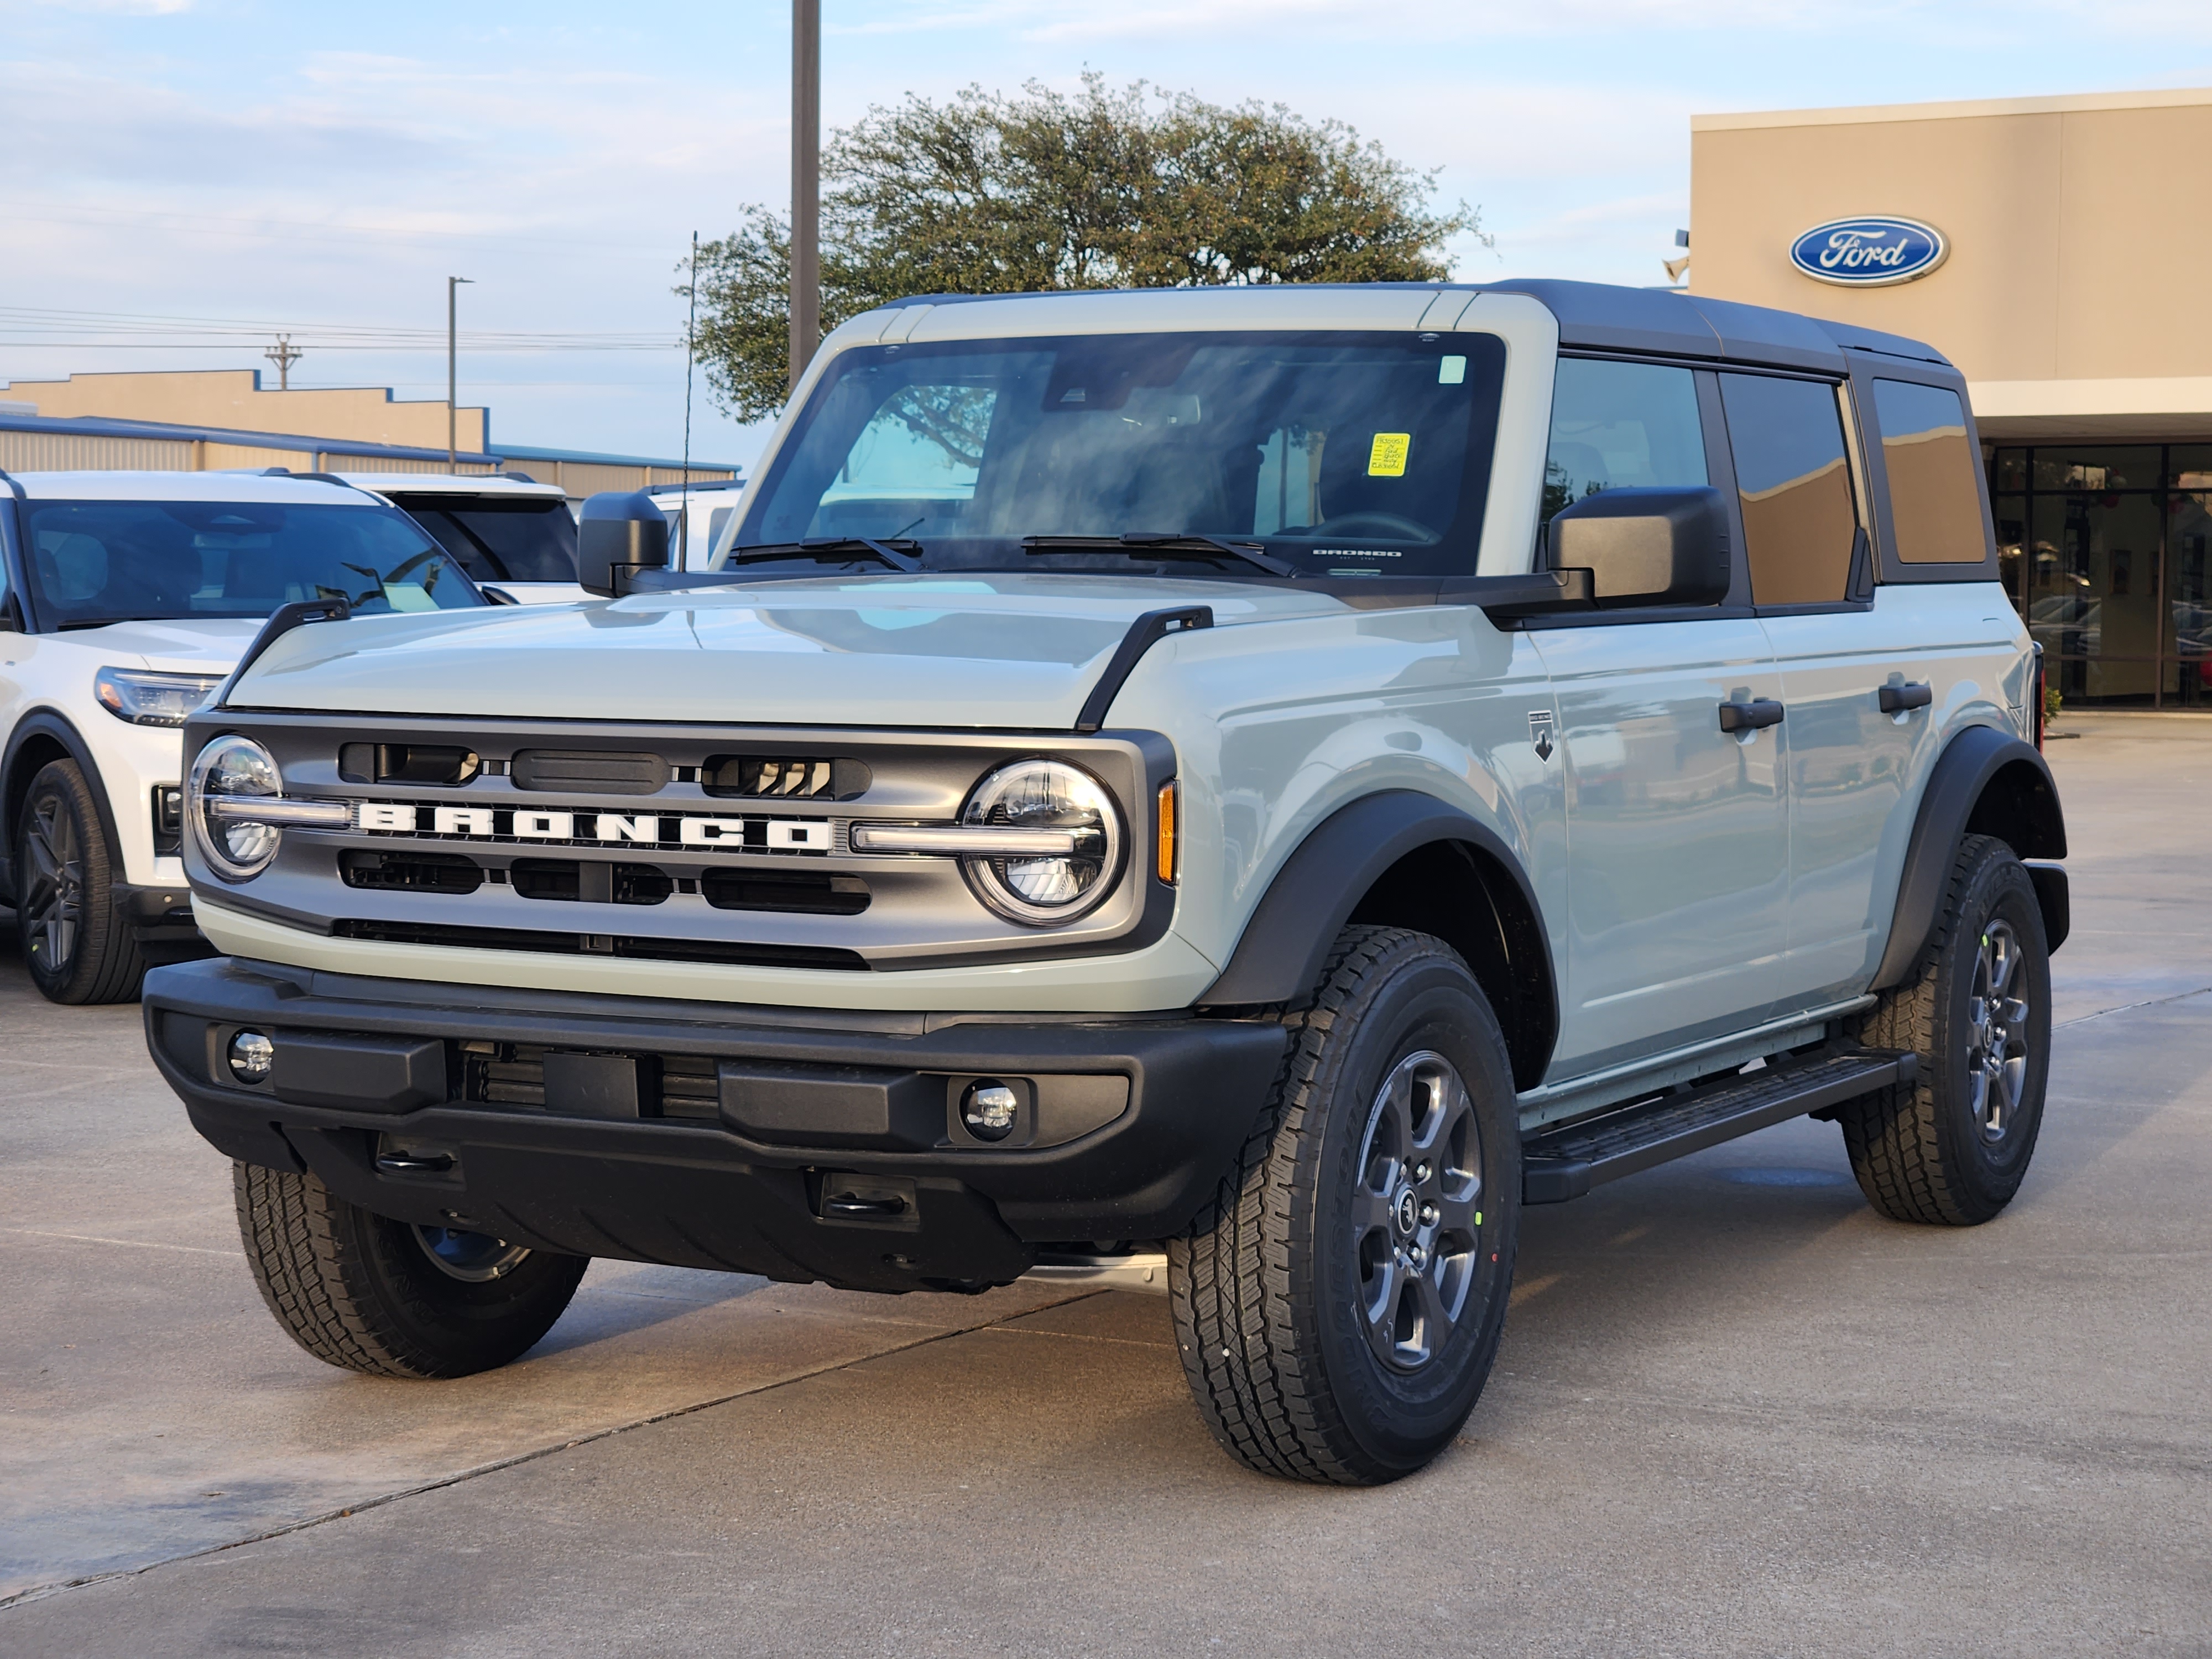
<point>1340,455</point>
<point>528,540</point>
<point>105,562</point>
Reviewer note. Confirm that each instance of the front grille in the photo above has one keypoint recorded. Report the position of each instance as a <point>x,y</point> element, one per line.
<point>733,953</point>
<point>593,883</point>
<point>592,771</point>
<point>808,895</point>
<point>419,872</point>
<point>685,1086</point>
<point>784,777</point>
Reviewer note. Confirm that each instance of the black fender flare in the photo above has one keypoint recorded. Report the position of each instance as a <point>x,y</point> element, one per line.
<point>16,781</point>
<point>1279,958</point>
<point>1957,802</point>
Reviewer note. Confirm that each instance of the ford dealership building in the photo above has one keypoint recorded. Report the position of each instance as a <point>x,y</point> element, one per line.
<point>2059,251</point>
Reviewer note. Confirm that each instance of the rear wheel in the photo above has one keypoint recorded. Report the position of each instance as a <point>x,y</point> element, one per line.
<point>75,939</point>
<point>389,1299</point>
<point>1340,1303</point>
<point>1953,1146</point>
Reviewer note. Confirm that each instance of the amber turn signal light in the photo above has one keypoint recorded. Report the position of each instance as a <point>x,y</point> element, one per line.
<point>1170,833</point>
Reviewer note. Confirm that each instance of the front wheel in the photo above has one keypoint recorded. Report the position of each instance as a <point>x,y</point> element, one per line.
<point>1338,1304</point>
<point>388,1299</point>
<point>77,940</point>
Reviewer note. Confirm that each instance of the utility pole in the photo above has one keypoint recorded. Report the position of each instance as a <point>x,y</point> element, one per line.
<point>806,183</point>
<point>690,351</point>
<point>283,354</point>
<point>453,371</point>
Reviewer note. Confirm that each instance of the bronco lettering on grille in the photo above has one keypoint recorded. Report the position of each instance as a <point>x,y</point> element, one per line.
<point>737,835</point>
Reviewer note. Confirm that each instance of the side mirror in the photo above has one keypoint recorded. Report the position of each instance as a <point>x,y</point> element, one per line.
<point>618,534</point>
<point>1646,546</point>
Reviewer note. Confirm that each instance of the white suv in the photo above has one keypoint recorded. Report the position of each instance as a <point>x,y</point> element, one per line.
<point>125,599</point>
<point>511,534</point>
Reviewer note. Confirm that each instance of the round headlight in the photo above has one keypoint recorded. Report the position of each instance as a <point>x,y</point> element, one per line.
<point>1043,889</point>
<point>238,849</point>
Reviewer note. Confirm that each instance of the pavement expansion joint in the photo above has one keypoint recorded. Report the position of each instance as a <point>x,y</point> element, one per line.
<point>41,1592</point>
<point>2127,1007</point>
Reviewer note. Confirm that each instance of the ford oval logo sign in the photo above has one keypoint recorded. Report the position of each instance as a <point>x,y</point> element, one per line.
<point>1871,252</point>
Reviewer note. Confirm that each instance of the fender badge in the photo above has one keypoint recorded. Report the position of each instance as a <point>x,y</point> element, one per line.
<point>1540,733</point>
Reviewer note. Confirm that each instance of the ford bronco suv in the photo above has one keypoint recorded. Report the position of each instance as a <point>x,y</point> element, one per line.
<point>1243,790</point>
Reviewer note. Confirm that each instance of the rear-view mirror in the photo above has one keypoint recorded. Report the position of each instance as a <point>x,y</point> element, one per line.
<point>618,534</point>
<point>1646,546</point>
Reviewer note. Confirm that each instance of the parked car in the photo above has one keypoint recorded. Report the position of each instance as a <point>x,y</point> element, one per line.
<point>125,598</point>
<point>515,537</point>
<point>697,518</point>
<point>1239,790</point>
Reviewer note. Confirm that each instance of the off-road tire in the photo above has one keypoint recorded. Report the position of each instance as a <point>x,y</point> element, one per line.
<point>359,1291</point>
<point>1918,1150</point>
<point>1264,1286</point>
<point>76,941</point>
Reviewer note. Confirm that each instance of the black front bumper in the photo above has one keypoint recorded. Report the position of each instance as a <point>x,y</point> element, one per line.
<point>799,1144</point>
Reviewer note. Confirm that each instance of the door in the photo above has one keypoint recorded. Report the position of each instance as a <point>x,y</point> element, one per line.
<point>1849,762</point>
<point>1677,830</point>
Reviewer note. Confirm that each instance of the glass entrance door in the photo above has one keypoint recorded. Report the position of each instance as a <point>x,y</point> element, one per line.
<point>2103,551</point>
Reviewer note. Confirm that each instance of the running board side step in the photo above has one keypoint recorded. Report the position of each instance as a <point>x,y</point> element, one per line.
<point>1567,1162</point>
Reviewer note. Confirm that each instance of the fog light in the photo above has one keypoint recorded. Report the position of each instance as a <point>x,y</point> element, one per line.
<point>251,1056</point>
<point>987,1108</point>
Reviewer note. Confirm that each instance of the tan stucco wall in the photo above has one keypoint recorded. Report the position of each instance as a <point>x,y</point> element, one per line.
<point>2081,228</point>
<point>230,398</point>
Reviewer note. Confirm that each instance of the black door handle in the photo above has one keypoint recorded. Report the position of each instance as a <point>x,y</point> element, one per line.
<point>1750,716</point>
<point>1896,699</point>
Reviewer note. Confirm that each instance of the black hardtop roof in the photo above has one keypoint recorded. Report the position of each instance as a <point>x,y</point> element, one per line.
<point>1670,322</point>
<point>1677,324</point>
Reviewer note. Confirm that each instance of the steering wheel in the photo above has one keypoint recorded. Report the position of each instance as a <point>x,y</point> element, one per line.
<point>1387,526</point>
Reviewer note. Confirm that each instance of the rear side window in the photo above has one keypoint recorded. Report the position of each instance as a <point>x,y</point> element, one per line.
<point>1619,424</point>
<point>1799,519</point>
<point>1935,505</point>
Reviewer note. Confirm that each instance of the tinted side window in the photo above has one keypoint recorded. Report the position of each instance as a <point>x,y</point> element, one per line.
<point>1615,424</point>
<point>1935,506</point>
<point>1799,517</point>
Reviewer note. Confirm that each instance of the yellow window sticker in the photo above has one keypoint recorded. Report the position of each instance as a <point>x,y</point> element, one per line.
<point>1387,458</point>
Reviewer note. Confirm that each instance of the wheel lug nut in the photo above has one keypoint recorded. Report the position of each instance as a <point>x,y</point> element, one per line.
<point>1429,1213</point>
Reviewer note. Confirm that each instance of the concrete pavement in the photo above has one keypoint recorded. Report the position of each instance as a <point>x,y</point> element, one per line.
<point>1735,1412</point>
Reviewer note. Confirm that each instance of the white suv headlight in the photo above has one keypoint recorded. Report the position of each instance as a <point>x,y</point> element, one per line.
<point>1045,889</point>
<point>144,698</point>
<point>231,773</point>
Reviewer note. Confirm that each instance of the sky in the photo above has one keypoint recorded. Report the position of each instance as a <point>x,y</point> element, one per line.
<point>325,167</point>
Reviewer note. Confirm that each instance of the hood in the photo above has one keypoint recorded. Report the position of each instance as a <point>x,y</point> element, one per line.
<point>969,650</point>
<point>209,645</point>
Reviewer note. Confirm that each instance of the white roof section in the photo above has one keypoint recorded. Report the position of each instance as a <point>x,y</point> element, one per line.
<point>1288,305</point>
<point>186,487</point>
<point>1963,110</point>
<point>448,483</point>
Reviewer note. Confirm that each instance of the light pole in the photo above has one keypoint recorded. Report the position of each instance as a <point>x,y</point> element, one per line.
<point>806,183</point>
<point>452,372</point>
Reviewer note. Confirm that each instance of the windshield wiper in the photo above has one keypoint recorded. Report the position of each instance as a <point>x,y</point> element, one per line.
<point>1160,544</point>
<point>897,551</point>
<point>110,622</point>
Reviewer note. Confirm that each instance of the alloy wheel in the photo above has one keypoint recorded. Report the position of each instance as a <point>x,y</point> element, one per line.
<point>1414,1223</point>
<point>1996,1051</point>
<point>472,1258</point>
<point>52,905</point>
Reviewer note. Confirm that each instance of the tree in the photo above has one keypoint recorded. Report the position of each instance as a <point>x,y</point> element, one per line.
<point>988,194</point>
